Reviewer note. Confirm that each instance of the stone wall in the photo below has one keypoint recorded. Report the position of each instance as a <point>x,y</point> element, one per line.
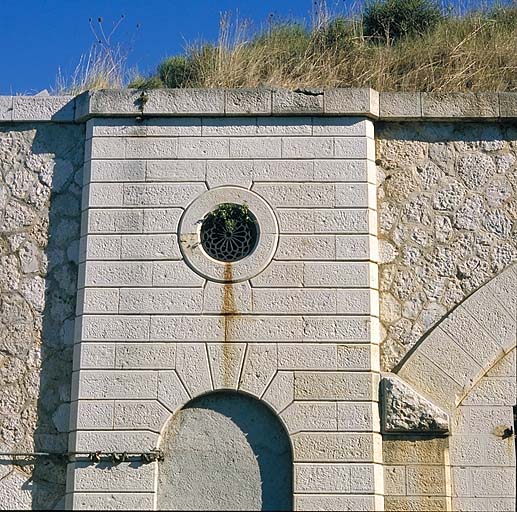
<point>447,212</point>
<point>294,324</point>
<point>482,456</point>
<point>40,195</point>
<point>159,326</point>
<point>466,365</point>
<point>415,473</point>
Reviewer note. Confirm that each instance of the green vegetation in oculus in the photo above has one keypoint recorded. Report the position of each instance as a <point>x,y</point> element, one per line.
<point>228,216</point>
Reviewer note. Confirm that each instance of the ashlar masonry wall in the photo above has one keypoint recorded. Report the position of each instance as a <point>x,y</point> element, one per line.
<point>159,323</point>
<point>482,456</point>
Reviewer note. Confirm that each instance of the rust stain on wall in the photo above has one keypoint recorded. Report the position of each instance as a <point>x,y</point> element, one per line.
<point>229,311</point>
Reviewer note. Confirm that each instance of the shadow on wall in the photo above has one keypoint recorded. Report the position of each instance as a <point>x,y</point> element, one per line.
<point>66,143</point>
<point>40,206</point>
<point>225,451</point>
<point>468,133</point>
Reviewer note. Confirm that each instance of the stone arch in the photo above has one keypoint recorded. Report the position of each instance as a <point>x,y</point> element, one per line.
<point>466,366</point>
<point>225,450</point>
<point>447,363</point>
<point>498,362</point>
<point>248,368</point>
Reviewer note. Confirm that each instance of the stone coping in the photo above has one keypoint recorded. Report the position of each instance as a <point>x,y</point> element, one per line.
<point>365,102</point>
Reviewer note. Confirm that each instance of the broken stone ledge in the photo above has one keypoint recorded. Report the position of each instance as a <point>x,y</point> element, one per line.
<point>404,410</point>
<point>400,106</point>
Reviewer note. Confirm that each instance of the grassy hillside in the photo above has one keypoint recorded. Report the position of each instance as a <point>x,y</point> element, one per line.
<point>392,45</point>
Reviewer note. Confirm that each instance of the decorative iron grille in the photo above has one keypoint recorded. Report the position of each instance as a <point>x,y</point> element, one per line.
<point>229,233</point>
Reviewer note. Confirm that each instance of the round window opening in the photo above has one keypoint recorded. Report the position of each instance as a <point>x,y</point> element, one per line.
<point>229,233</point>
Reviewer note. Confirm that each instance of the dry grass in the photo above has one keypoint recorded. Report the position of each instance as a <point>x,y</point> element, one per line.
<point>104,67</point>
<point>475,52</point>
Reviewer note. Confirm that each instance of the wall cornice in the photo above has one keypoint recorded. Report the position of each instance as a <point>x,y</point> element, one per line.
<point>384,106</point>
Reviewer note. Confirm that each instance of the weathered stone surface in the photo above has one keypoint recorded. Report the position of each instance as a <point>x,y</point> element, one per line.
<point>445,221</point>
<point>6,108</point>
<point>13,491</point>
<point>482,463</point>
<point>429,450</point>
<point>508,104</point>
<point>310,416</point>
<point>260,365</point>
<point>248,101</point>
<point>185,101</point>
<point>139,415</point>
<point>43,108</point>
<point>299,101</point>
<point>334,447</point>
<point>468,105</point>
<point>280,393</point>
<point>345,502</point>
<point>334,386</point>
<point>416,504</point>
<point>113,501</point>
<point>40,207</point>
<point>400,105</point>
<point>405,410</point>
<point>121,477</point>
<point>113,101</point>
<point>353,101</point>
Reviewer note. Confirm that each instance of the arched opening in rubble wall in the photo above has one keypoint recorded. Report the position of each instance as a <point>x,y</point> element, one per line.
<point>466,365</point>
<point>225,451</point>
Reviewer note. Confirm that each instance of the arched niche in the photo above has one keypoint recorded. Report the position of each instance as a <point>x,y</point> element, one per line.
<point>466,365</point>
<point>225,451</point>
<point>449,360</point>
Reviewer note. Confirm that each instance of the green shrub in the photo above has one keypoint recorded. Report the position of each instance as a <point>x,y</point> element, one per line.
<point>289,39</point>
<point>228,216</point>
<point>390,20</point>
<point>141,82</point>
<point>336,35</point>
<point>175,71</point>
<point>504,16</point>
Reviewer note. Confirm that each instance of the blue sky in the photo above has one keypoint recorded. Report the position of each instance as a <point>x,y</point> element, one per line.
<point>41,36</point>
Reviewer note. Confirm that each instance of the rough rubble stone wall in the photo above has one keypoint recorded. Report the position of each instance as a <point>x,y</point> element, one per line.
<point>447,210</point>
<point>40,177</point>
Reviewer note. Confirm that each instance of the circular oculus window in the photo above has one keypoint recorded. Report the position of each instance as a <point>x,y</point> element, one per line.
<point>228,234</point>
